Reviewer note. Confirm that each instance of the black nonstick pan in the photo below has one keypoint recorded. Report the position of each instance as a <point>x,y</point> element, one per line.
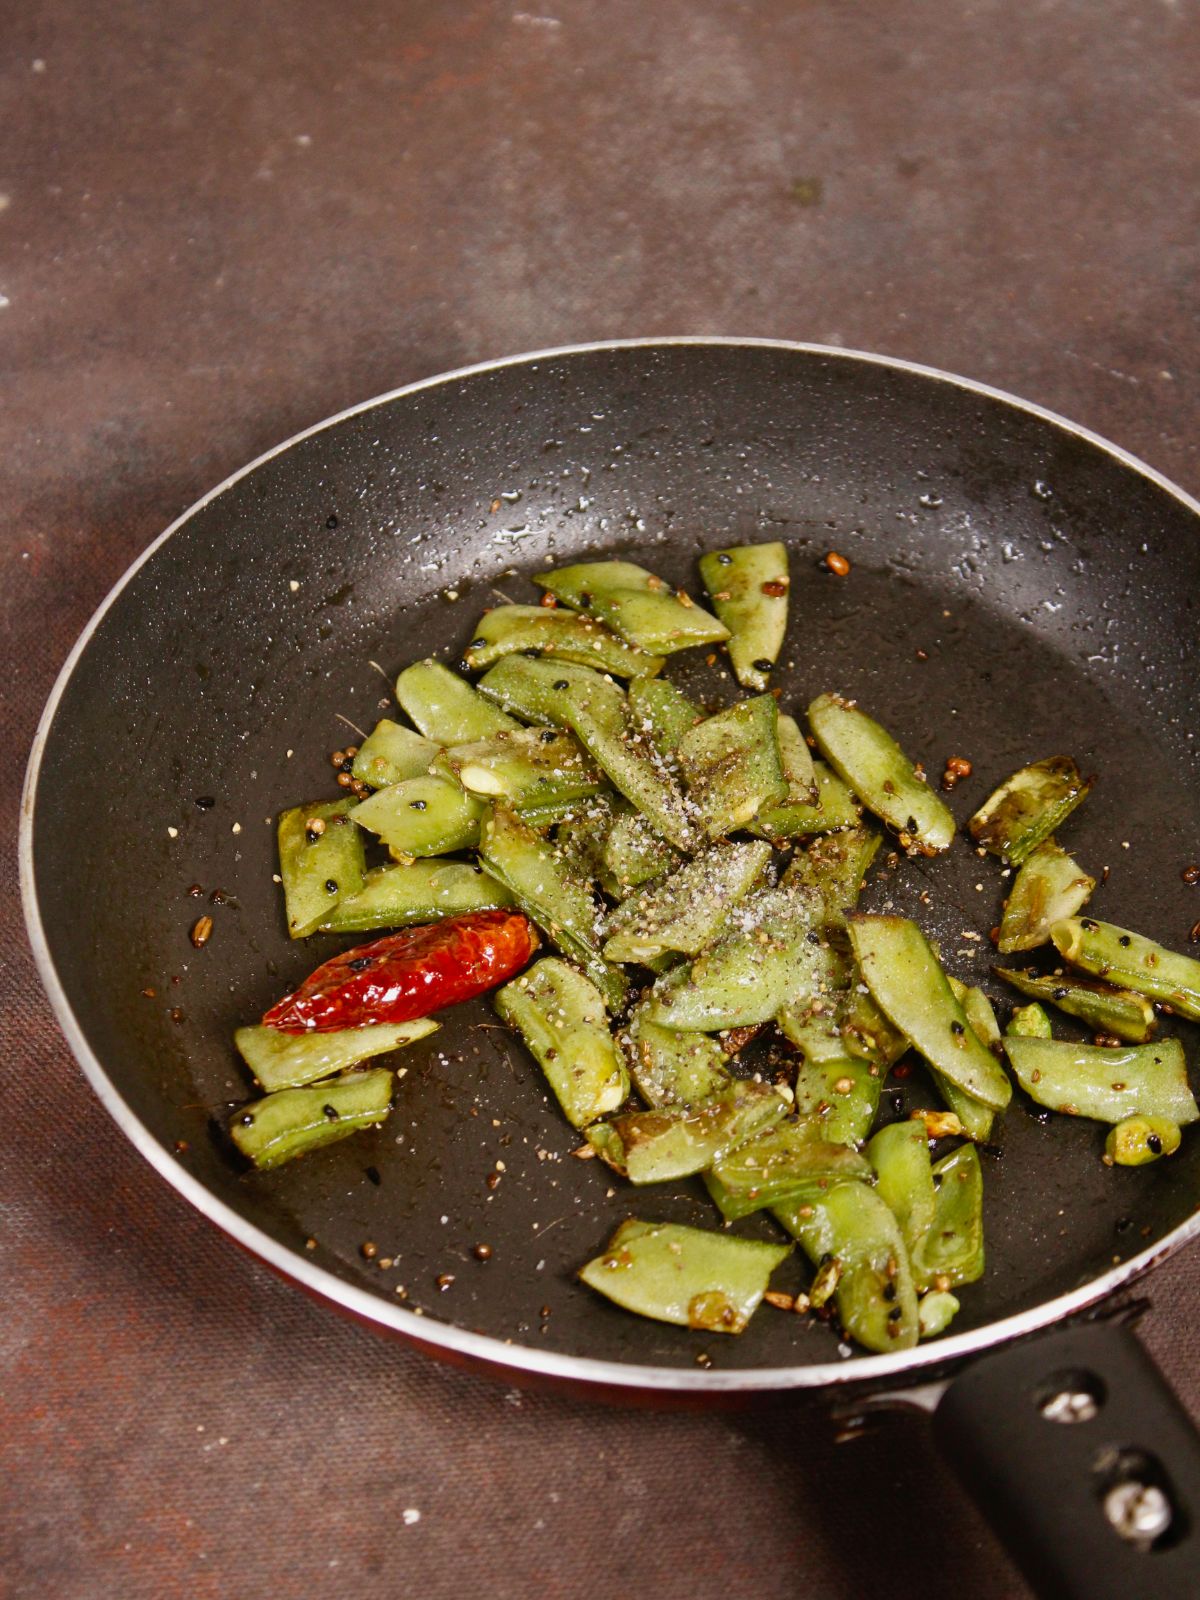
<point>1018,589</point>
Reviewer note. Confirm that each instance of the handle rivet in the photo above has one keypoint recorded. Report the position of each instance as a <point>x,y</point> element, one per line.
<point>1069,1405</point>
<point>1139,1512</point>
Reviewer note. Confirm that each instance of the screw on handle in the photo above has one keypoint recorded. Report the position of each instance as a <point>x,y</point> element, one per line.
<point>1081,1457</point>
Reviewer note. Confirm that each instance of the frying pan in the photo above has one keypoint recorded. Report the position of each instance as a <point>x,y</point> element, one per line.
<point>1019,588</point>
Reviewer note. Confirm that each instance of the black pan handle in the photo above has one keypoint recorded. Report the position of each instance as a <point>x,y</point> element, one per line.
<point>1081,1457</point>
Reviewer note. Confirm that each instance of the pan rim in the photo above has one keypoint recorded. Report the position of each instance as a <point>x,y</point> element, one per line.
<point>446,1338</point>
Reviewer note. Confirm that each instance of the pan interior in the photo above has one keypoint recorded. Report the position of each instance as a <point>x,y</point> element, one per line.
<point>1050,586</point>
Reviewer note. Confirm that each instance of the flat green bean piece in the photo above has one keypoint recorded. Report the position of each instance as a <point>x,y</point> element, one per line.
<point>835,864</point>
<point>936,1310</point>
<point>866,757</point>
<point>1139,1140</point>
<point>850,1226</point>
<point>791,1159</point>
<point>908,983</point>
<point>900,1156</point>
<point>445,707</point>
<point>1117,1011</point>
<point>320,858</point>
<point>1029,1022</point>
<point>634,603</point>
<point>731,765</point>
<point>981,1014</point>
<point>632,853</point>
<point>763,963</point>
<point>531,767</point>
<point>557,635</point>
<point>290,1060</point>
<point>1108,1084</point>
<point>428,816</point>
<point>688,1276</point>
<point>865,1031</point>
<point>543,818</point>
<point>676,1141</point>
<point>561,905</point>
<point>1122,957</point>
<point>817,1035</point>
<point>1027,808</point>
<point>811,1020</point>
<point>843,1093</point>
<point>835,806</point>
<point>951,1250</point>
<point>1049,887</point>
<point>976,1118</point>
<point>595,710</point>
<point>405,894</point>
<point>748,586</point>
<point>580,839</point>
<point>561,1017</point>
<point>685,910</point>
<point>390,753</point>
<point>286,1124</point>
<point>669,1067</point>
<point>662,712</point>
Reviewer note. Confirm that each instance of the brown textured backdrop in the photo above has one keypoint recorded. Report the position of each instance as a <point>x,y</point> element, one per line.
<point>221,222</point>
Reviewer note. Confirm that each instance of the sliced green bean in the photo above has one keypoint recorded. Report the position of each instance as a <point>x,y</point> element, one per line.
<point>676,1141</point>
<point>1027,808</point>
<point>731,765</point>
<point>320,858</point>
<point>286,1124</point>
<point>557,635</point>
<point>543,818</point>
<point>290,1060</point>
<point>1105,1083</point>
<point>640,607</point>
<point>843,1092</point>
<point>908,983</point>
<point>662,713</point>
<point>900,1156</point>
<point>685,910</point>
<point>390,753</point>
<point>691,1277</point>
<point>1122,957</point>
<point>669,1067</point>
<point>835,807</point>
<point>531,767</point>
<point>1029,1022</point>
<point>951,1251</point>
<point>561,905</point>
<point>936,1310</point>
<point>428,816</point>
<point>594,709</point>
<point>790,1160</point>
<point>980,1013</point>
<point>835,865</point>
<point>1117,1011</point>
<point>866,1032</point>
<point>748,586</point>
<point>976,1118</point>
<point>1049,887</point>
<point>866,757</point>
<point>851,1226</point>
<point>561,1017</point>
<point>445,707</point>
<point>403,895</point>
<point>632,853</point>
<point>1139,1140</point>
<point>762,964</point>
